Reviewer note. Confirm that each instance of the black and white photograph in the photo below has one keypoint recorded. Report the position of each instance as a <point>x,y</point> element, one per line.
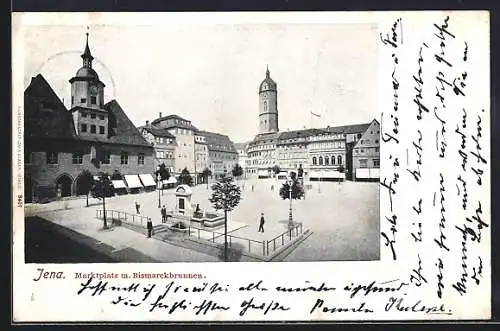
<point>201,143</point>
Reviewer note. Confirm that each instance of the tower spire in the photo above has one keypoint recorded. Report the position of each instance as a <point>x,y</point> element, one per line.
<point>267,71</point>
<point>87,56</point>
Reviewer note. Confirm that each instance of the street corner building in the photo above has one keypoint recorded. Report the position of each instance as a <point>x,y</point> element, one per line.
<point>331,153</point>
<point>92,135</point>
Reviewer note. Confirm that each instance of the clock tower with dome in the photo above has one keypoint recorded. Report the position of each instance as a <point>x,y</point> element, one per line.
<point>268,105</point>
<point>87,98</point>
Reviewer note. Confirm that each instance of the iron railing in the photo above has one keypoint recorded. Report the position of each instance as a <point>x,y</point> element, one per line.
<point>123,217</point>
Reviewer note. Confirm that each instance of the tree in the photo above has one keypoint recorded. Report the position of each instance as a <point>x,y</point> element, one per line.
<point>297,190</point>
<point>237,170</point>
<point>276,169</point>
<point>85,183</point>
<point>185,177</point>
<point>103,188</point>
<point>206,173</point>
<point>164,174</point>
<point>225,196</point>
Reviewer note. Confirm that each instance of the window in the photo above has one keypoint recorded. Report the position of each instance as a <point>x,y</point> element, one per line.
<point>140,159</point>
<point>376,149</point>
<point>333,159</point>
<point>363,163</point>
<point>101,117</point>
<point>101,129</point>
<point>77,158</point>
<point>124,158</point>
<point>84,114</point>
<point>28,157</point>
<point>376,163</point>
<point>83,100</point>
<point>84,127</point>
<point>339,159</point>
<point>93,99</point>
<point>327,160</point>
<point>265,105</point>
<point>376,141</point>
<point>320,160</point>
<point>51,157</point>
<point>362,151</point>
<point>93,116</point>
<point>92,129</point>
<point>107,158</point>
<point>359,135</point>
<point>72,99</point>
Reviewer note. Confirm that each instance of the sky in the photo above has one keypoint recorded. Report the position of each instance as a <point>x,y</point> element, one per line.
<point>210,74</point>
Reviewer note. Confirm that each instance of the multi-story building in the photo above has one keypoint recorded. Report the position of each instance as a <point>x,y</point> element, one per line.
<point>184,133</point>
<point>93,135</point>
<point>324,153</point>
<point>222,156</point>
<point>366,154</point>
<point>243,160</point>
<point>201,156</point>
<point>164,144</point>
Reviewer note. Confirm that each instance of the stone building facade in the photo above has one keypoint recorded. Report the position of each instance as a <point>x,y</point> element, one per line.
<point>91,135</point>
<point>366,154</point>
<point>164,144</point>
<point>222,156</point>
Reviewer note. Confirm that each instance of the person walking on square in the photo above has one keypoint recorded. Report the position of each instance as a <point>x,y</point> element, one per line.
<point>163,214</point>
<point>137,207</point>
<point>150,227</point>
<point>261,225</point>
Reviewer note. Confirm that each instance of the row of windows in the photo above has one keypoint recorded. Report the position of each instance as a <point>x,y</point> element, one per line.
<point>77,158</point>
<point>93,100</point>
<point>164,155</point>
<point>360,151</point>
<point>327,160</point>
<point>367,141</point>
<point>162,140</point>
<point>93,128</point>
<point>363,163</point>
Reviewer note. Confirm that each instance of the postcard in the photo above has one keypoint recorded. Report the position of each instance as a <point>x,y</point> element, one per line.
<point>272,166</point>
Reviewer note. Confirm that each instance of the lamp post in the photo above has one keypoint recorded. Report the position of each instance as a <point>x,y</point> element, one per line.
<point>158,181</point>
<point>290,217</point>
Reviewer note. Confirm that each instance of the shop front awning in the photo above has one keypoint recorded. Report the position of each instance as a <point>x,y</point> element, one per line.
<point>147,180</point>
<point>133,181</point>
<point>118,184</point>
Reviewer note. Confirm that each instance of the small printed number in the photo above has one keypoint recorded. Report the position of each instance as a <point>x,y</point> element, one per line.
<point>20,200</point>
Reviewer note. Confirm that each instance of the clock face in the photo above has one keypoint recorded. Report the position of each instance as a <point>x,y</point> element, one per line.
<point>93,89</point>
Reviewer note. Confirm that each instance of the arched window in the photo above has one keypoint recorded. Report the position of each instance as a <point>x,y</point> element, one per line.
<point>339,159</point>
<point>333,159</point>
<point>327,160</point>
<point>314,160</point>
<point>320,160</point>
<point>265,105</point>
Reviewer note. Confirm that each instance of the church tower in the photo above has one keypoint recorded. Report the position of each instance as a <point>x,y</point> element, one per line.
<point>87,98</point>
<point>268,105</point>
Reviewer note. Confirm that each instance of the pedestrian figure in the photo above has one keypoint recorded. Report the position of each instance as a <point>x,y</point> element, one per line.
<point>163,214</point>
<point>150,228</point>
<point>272,187</point>
<point>261,226</point>
<point>137,207</point>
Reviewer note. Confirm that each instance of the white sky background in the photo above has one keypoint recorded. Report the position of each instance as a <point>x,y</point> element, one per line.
<point>210,74</point>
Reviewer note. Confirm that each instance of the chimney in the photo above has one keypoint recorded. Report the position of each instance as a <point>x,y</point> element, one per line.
<point>159,115</point>
<point>147,124</point>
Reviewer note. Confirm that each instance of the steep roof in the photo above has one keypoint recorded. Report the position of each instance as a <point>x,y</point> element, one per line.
<point>352,128</point>
<point>45,116</point>
<point>263,137</point>
<point>241,146</point>
<point>217,142</point>
<point>299,133</point>
<point>120,129</point>
<point>157,132</point>
<point>180,124</point>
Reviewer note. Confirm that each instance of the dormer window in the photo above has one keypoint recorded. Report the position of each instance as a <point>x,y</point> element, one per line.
<point>93,100</point>
<point>83,100</point>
